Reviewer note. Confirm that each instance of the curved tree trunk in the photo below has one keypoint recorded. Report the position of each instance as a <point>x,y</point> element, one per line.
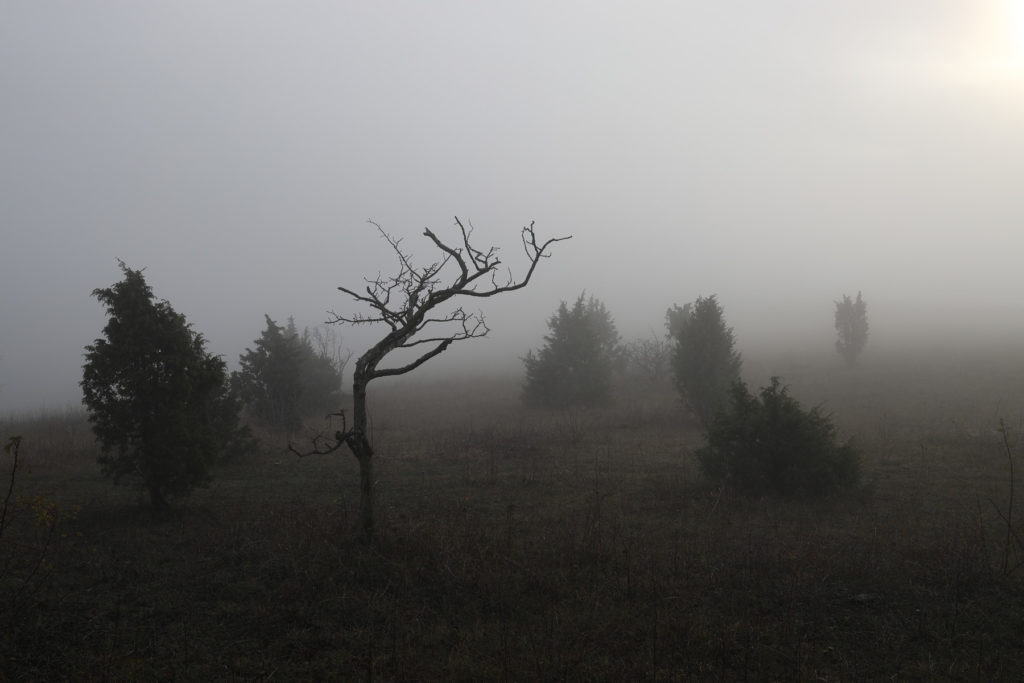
<point>360,445</point>
<point>364,454</point>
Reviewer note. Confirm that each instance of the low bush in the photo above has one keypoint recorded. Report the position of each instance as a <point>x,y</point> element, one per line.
<point>769,444</point>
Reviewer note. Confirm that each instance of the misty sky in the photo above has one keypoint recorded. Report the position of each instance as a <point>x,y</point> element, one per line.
<point>776,154</point>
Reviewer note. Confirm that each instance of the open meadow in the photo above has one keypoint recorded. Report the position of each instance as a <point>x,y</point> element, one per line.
<point>529,545</point>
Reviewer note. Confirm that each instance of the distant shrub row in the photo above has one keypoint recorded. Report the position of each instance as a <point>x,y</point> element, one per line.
<point>756,444</point>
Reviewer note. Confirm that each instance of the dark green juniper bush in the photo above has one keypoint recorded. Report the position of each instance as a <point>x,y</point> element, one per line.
<point>159,404</point>
<point>769,444</point>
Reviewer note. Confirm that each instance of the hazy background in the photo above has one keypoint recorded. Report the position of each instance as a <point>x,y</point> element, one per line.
<point>775,153</point>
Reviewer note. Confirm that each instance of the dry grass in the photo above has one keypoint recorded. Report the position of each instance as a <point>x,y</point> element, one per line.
<point>519,545</point>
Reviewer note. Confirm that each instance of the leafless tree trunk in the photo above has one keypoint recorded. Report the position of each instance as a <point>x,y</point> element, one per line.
<point>408,304</point>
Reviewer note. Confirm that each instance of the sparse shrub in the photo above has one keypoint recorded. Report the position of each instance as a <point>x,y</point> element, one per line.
<point>852,327</point>
<point>327,349</point>
<point>769,444</point>
<point>321,371</point>
<point>648,357</point>
<point>24,562</point>
<point>575,366</point>
<point>159,404</point>
<point>703,360</point>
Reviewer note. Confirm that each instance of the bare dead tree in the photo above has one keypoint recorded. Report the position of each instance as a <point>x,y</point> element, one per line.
<point>328,344</point>
<point>649,356</point>
<point>412,305</point>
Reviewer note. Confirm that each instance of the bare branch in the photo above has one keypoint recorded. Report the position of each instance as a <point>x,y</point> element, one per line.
<point>452,253</point>
<point>420,287</point>
<point>421,292</point>
<point>477,329</point>
<point>396,247</point>
<point>341,437</point>
<point>534,252</point>
<point>436,351</point>
<point>481,260</point>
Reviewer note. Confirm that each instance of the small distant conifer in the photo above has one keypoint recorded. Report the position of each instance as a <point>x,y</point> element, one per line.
<point>574,368</point>
<point>704,361</point>
<point>852,327</point>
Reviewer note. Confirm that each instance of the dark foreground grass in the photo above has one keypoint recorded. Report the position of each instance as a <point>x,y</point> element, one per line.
<point>533,546</point>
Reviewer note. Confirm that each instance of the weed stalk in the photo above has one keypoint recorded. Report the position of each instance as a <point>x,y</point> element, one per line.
<point>12,448</point>
<point>1011,533</point>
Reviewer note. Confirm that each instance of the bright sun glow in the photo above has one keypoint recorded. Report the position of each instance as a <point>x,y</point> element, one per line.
<point>992,52</point>
<point>1014,18</point>
<point>1004,40</point>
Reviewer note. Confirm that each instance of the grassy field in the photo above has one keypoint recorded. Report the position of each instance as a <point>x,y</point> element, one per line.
<point>519,545</point>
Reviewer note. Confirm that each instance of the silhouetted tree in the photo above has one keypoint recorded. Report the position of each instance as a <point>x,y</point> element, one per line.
<point>159,404</point>
<point>284,378</point>
<point>410,303</point>
<point>852,327</point>
<point>575,365</point>
<point>269,378</point>
<point>703,361</point>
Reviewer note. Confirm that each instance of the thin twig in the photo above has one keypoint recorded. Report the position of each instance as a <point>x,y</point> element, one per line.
<point>13,446</point>
<point>1009,510</point>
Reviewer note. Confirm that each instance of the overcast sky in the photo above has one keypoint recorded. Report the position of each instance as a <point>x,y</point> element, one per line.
<point>775,153</point>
